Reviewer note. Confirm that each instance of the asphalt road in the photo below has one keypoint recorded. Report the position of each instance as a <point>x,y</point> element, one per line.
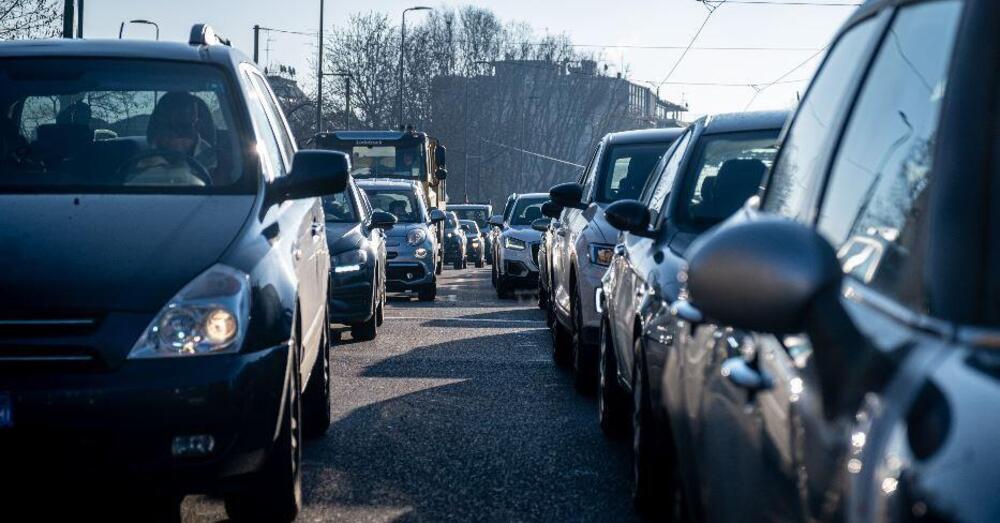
<point>456,413</point>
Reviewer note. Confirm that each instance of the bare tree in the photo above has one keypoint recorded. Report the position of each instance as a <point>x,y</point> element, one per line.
<point>21,19</point>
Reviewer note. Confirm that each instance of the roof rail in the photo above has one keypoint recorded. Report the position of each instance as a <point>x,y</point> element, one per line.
<point>203,34</point>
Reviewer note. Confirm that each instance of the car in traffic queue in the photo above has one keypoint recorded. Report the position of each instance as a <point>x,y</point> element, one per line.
<point>455,242</point>
<point>551,213</point>
<point>355,236</point>
<point>713,168</point>
<point>479,213</point>
<point>841,332</point>
<point>583,241</point>
<point>163,320</point>
<point>495,224</point>
<point>412,242</point>
<point>475,245</point>
<point>516,263</point>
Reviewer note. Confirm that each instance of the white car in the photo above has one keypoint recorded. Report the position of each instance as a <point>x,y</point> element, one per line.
<point>516,259</point>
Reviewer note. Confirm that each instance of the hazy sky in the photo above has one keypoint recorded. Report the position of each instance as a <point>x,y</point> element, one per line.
<point>592,22</point>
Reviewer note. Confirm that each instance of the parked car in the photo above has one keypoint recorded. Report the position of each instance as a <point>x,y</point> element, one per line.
<point>455,242</point>
<point>495,232</point>
<point>163,320</point>
<point>516,263</point>
<point>713,168</point>
<point>552,212</point>
<point>843,336</point>
<point>412,242</point>
<point>618,169</point>
<point>479,213</point>
<point>355,235</point>
<point>475,246</point>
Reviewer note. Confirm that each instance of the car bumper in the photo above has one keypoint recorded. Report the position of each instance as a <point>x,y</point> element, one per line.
<point>590,281</point>
<point>405,272</point>
<point>124,423</point>
<point>475,253</point>
<point>351,295</point>
<point>518,268</point>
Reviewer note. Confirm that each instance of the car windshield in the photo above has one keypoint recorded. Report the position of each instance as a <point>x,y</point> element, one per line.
<point>527,210</point>
<point>726,170</point>
<point>627,170</point>
<point>339,208</point>
<point>399,202</point>
<point>371,161</point>
<point>451,222</point>
<point>103,125</point>
<point>470,227</point>
<point>479,215</point>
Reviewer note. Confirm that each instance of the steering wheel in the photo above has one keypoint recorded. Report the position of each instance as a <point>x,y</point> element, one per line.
<point>197,169</point>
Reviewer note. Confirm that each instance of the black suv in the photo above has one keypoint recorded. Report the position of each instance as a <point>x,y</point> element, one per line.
<point>163,314</point>
<point>837,359</point>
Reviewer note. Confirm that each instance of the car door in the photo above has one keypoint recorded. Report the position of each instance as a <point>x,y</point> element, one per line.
<point>564,244</point>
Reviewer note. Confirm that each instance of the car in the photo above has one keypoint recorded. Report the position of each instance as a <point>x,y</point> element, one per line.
<point>163,320</point>
<point>584,242</point>
<point>516,263</point>
<point>479,213</point>
<point>713,168</point>
<point>355,237</point>
<point>495,232</point>
<point>547,227</point>
<point>475,248</point>
<point>836,348</point>
<point>455,242</point>
<point>412,242</point>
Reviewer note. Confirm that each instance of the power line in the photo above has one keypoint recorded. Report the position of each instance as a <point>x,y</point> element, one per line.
<point>711,11</point>
<point>792,3</point>
<point>532,153</point>
<point>782,77</point>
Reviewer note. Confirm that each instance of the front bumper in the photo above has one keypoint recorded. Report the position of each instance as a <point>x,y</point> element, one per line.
<point>351,296</point>
<point>406,272</point>
<point>519,268</point>
<point>122,423</point>
<point>475,252</point>
<point>589,282</point>
<point>453,252</point>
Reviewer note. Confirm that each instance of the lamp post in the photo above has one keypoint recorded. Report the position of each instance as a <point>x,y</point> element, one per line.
<point>402,55</point>
<point>319,73</point>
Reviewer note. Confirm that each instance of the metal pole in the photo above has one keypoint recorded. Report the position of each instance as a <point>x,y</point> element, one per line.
<point>347,105</point>
<point>69,18</point>
<point>319,74</point>
<point>402,40</point>
<point>256,44</point>
<point>79,19</point>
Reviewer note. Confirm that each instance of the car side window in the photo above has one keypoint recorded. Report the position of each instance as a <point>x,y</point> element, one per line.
<point>269,150</point>
<point>876,192</point>
<point>591,173</point>
<point>276,117</point>
<point>657,193</point>
<point>816,121</point>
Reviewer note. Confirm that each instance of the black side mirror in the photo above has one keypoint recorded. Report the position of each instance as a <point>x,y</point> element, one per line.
<point>496,220</point>
<point>441,155</point>
<point>437,216</point>
<point>314,173</point>
<point>541,224</point>
<point>441,173</point>
<point>568,195</point>
<point>552,209</point>
<point>630,216</point>
<point>781,277</point>
<point>383,220</point>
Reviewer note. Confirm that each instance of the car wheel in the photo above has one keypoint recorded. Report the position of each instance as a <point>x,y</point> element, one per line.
<point>439,268</point>
<point>612,403</point>
<point>562,345</point>
<point>550,312</point>
<point>584,377</point>
<point>493,274</point>
<point>542,296</point>
<point>465,262</point>
<point>380,310</point>
<point>457,265</point>
<point>428,293</point>
<point>649,468</point>
<point>316,399</point>
<point>275,492</point>
<point>503,288</point>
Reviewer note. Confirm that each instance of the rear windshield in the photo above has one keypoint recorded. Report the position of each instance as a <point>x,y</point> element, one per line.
<point>479,215</point>
<point>401,203</point>
<point>725,171</point>
<point>527,210</point>
<point>627,169</point>
<point>104,125</point>
<point>470,226</point>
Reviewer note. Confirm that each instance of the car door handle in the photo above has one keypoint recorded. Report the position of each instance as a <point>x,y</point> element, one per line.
<point>687,312</point>
<point>741,373</point>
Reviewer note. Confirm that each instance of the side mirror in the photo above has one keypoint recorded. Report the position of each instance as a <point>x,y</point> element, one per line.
<point>383,220</point>
<point>441,173</point>
<point>551,209</point>
<point>630,216</point>
<point>314,173</point>
<point>441,155</point>
<point>496,220</point>
<point>568,195</point>
<point>541,224</point>
<point>437,216</point>
<point>781,277</point>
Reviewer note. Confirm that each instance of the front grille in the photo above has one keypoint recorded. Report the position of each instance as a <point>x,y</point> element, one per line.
<point>405,272</point>
<point>391,255</point>
<point>534,251</point>
<point>35,327</point>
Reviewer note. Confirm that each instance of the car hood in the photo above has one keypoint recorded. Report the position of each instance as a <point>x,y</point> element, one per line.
<point>98,253</point>
<point>341,237</point>
<point>524,232</point>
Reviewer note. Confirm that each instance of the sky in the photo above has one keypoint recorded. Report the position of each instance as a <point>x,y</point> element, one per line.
<point>801,33</point>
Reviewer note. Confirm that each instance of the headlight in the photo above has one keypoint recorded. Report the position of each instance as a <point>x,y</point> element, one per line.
<point>208,316</point>
<point>420,253</point>
<point>475,242</point>
<point>513,243</point>
<point>350,261</point>
<point>601,254</point>
<point>416,236</point>
<point>449,235</point>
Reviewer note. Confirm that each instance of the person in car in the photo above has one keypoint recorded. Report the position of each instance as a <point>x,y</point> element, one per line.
<point>175,139</point>
<point>398,208</point>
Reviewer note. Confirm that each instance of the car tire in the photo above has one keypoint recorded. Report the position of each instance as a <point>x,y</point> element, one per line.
<point>493,274</point>
<point>651,472</point>
<point>480,263</point>
<point>439,268</point>
<point>504,291</point>
<point>429,293</point>
<point>542,297</point>
<point>562,345</point>
<point>368,329</point>
<point>465,262</point>
<point>550,311</point>
<point>316,417</point>
<point>274,493</point>
<point>380,310</point>
<point>457,265</point>
<point>584,375</point>
<point>612,402</point>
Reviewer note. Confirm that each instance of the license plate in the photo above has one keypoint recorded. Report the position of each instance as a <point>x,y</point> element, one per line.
<point>6,416</point>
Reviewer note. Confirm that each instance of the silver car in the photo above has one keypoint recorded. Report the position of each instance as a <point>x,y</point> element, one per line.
<point>516,261</point>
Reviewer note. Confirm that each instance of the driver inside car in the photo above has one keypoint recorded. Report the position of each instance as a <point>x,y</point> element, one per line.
<point>178,154</point>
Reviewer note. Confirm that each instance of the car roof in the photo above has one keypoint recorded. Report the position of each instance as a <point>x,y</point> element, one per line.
<point>466,205</point>
<point>667,134</point>
<point>371,135</point>
<point>533,195</point>
<point>386,182</point>
<point>136,49</point>
<point>748,121</point>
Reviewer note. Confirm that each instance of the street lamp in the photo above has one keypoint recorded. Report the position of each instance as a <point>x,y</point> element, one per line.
<point>121,28</point>
<point>402,44</point>
<point>319,73</point>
